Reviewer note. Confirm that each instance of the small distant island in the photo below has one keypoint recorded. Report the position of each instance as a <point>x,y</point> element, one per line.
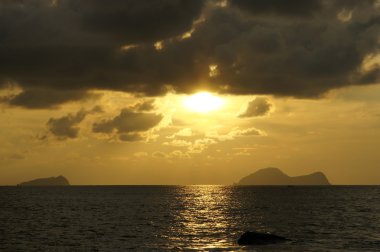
<point>274,176</point>
<point>52,181</point>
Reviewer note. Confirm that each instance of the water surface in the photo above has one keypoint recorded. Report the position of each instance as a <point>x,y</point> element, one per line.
<point>117,218</point>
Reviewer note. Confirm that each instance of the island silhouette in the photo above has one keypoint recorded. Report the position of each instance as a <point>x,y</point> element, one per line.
<point>52,181</point>
<point>274,176</point>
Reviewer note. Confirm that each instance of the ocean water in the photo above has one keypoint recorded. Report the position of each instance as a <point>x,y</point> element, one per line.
<point>118,218</point>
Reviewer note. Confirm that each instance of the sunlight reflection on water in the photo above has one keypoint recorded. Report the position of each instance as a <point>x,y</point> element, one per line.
<point>204,217</point>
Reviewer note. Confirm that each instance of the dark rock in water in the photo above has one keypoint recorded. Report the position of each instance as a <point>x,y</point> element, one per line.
<point>256,238</point>
<point>274,176</point>
<point>52,181</point>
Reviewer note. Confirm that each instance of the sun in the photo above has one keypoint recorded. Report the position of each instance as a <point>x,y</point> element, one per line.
<point>203,102</point>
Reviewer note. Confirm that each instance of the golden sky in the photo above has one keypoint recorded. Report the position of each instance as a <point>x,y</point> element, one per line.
<point>338,135</point>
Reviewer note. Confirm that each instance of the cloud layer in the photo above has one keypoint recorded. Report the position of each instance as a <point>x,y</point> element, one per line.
<point>66,126</point>
<point>129,125</point>
<point>62,49</point>
<point>257,107</point>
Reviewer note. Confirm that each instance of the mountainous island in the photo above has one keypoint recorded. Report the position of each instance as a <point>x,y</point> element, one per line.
<point>274,176</point>
<point>52,181</point>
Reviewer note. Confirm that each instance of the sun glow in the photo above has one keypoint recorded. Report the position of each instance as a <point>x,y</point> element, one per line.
<point>203,102</point>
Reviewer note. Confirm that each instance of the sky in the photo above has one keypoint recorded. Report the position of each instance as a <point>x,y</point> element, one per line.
<point>189,91</point>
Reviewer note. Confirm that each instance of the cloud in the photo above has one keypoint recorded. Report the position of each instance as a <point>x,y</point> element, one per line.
<point>128,124</point>
<point>257,107</point>
<point>179,154</point>
<point>136,21</point>
<point>233,133</point>
<point>76,45</point>
<point>200,145</point>
<point>57,53</point>
<point>68,126</point>
<point>287,8</point>
<point>270,55</point>
<point>186,132</point>
<point>146,105</point>
<point>178,143</point>
<point>130,137</point>
<point>46,98</point>
<point>247,132</point>
<point>159,154</point>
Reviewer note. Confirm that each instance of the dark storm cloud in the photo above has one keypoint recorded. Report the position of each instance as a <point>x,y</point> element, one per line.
<point>128,124</point>
<point>257,107</point>
<point>139,21</point>
<point>297,8</point>
<point>286,48</point>
<point>46,98</point>
<point>75,45</point>
<point>281,7</point>
<point>118,21</point>
<point>302,58</point>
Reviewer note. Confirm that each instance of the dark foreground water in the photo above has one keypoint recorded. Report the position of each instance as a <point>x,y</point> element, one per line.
<point>117,218</point>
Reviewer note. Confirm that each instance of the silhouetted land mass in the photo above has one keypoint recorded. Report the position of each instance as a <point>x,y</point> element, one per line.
<point>256,238</point>
<point>52,181</point>
<point>274,176</point>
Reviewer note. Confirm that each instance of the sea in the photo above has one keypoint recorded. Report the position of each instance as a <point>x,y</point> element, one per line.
<point>188,218</point>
